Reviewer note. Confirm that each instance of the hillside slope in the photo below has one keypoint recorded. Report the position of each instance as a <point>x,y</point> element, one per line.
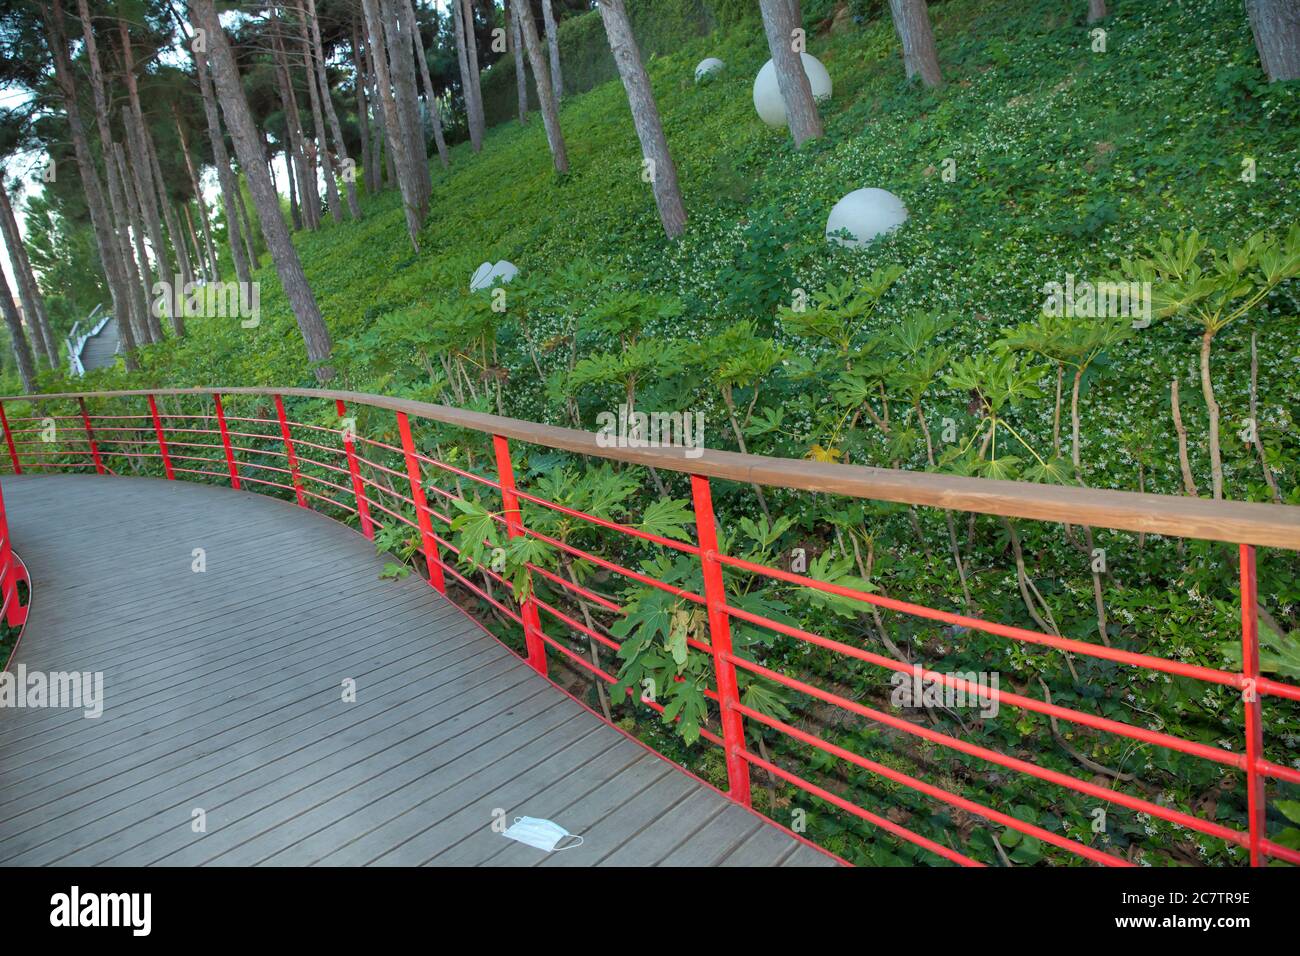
<point>1066,160</point>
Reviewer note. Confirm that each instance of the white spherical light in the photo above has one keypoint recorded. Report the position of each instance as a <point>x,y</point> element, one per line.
<point>865,214</point>
<point>489,274</point>
<point>767,92</point>
<point>707,67</point>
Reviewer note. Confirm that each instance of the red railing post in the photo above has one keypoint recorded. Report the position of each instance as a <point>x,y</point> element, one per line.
<point>162,441</point>
<point>225,441</point>
<point>90,437</point>
<point>288,448</point>
<point>431,556</point>
<point>358,486</point>
<point>715,596</point>
<point>515,529</point>
<point>8,571</point>
<point>9,440</point>
<point>1250,701</point>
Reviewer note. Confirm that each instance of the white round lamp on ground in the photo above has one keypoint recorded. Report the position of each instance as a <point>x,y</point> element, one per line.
<point>767,92</point>
<point>865,214</point>
<point>708,67</point>
<point>490,274</point>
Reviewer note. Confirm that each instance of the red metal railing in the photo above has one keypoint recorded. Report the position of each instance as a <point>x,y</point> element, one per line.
<point>12,570</point>
<point>385,485</point>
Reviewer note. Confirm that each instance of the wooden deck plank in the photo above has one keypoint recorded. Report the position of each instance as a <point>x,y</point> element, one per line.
<point>594,806</point>
<point>474,776</point>
<point>153,791</point>
<point>290,841</point>
<point>807,856</point>
<point>223,692</point>
<point>319,832</point>
<point>766,846</point>
<point>123,752</point>
<point>501,801</point>
<point>665,833</point>
<point>626,820</point>
<point>293,783</point>
<point>201,667</point>
<point>732,829</point>
<point>552,803</point>
<point>206,673</point>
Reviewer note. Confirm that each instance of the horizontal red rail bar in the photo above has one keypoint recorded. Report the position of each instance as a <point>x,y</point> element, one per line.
<point>1085,787</point>
<point>1167,741</point>
<point>612,525</point>
<point>1002,630</point>
<point>887,825</point>
<point>947,796</point>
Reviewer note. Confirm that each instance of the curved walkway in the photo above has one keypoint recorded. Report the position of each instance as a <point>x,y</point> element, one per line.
<point>223,704</point>
<point>100,350</point>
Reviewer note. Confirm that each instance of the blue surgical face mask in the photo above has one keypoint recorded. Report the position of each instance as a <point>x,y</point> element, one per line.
<point>543,834</point>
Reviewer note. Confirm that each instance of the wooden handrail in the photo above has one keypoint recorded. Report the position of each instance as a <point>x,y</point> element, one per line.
<point>1239,522</point>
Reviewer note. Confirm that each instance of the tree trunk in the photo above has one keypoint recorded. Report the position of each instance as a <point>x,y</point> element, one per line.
<point>336,129</point>
<point>385,165</point>
<point>177,315</point>
<point>250,244</point>
<point>197,189</point>
<point>397,143</point>
<point>390,159</point>
<point>1276,27</point>
<point>430,99</point>
<point>309,198</point>
<point>137,317</point>
<point>173,232</point>
<point>151,329</point>
<point>304,169</point>
<point>221,159</point>
<point>1096,10</point>
<point>466,80</point>
<point>136,271</point>
<point>545,95</point>
<point>29,292</point>
<point>105,236</point>
<point>516,39</point>
<point>174,235</point>
<point>645,116</point>
<point>401,67</point>
<point>1212,409</point>
<point>1184,463</point>
<point>360,80</point>
<point>22,351</point>
<point>243,131</point>
<point>382,158</point>
<point>193,267</point>
<point>209,248</point>
<point>553,46</point>
<point>920,57</point>
<point>800,108</point>
<point>290,167</point>
<point>475,76</point>
<point>137,260</point>
<point>137,146</point>
<point>314,68</point>
<point>133,167</point>
<point>194,245</point>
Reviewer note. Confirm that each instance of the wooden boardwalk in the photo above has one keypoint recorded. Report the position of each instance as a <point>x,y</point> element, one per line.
<point>223,694</point>
<point>100,351</point>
